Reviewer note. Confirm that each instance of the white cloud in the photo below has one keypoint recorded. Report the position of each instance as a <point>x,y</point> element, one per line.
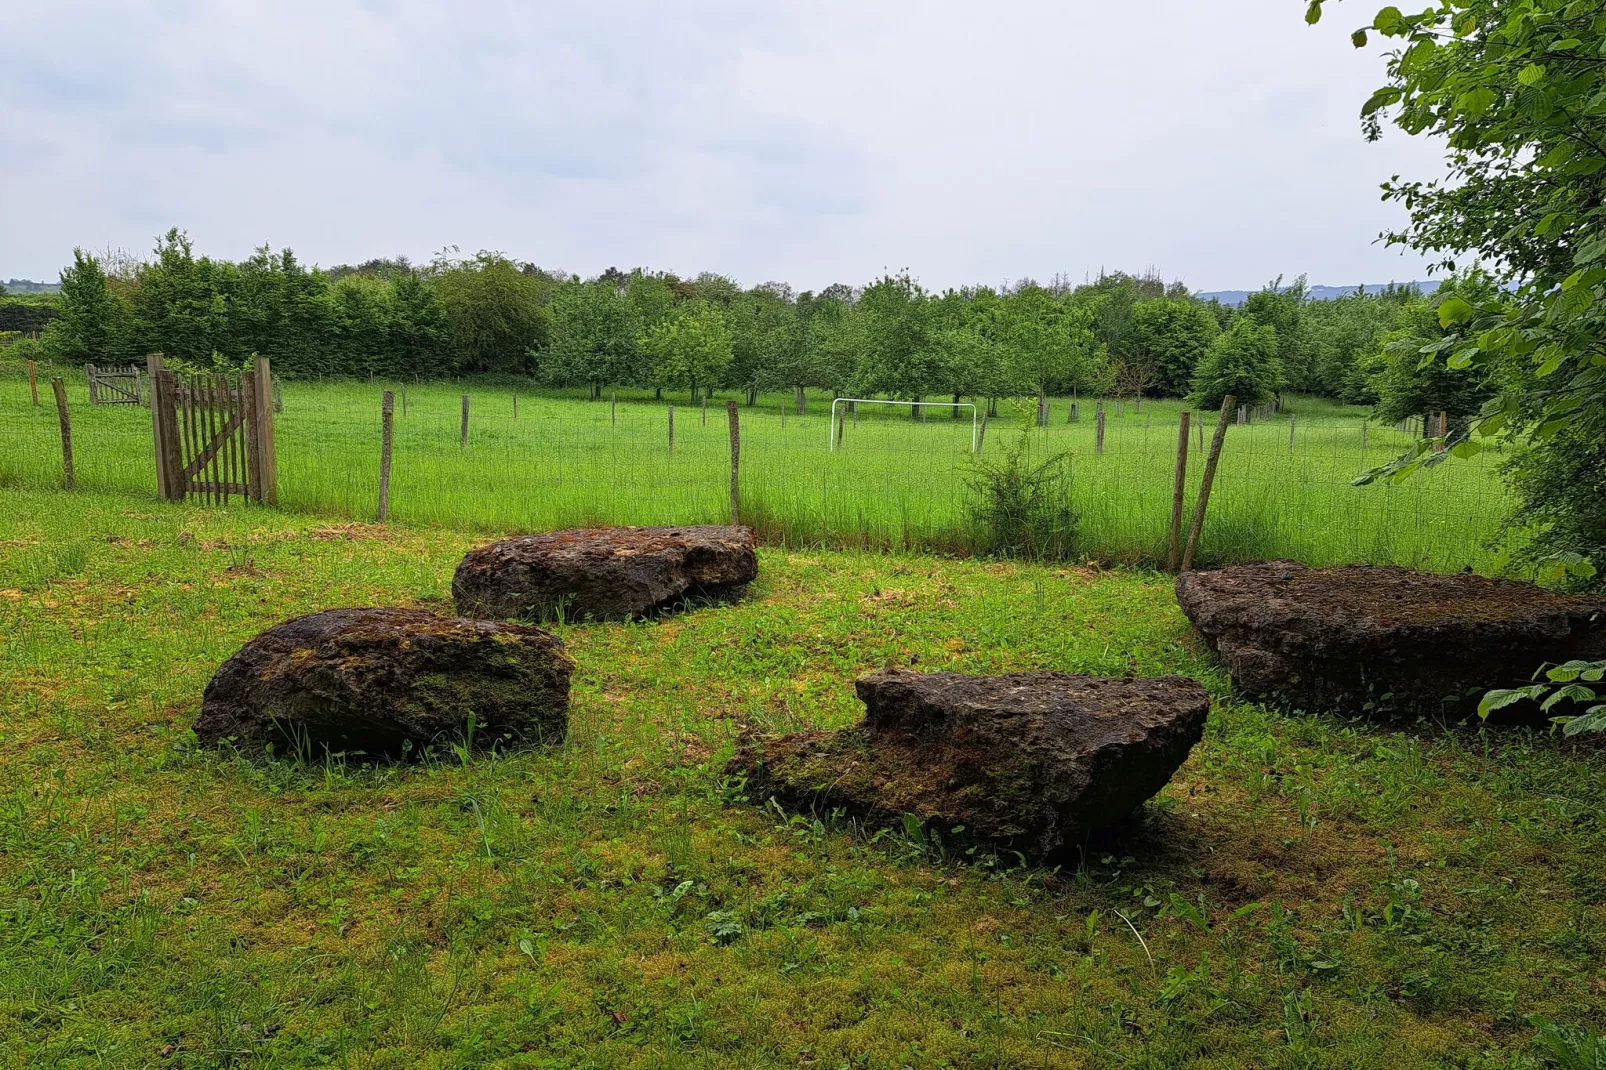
<point>813,142</point>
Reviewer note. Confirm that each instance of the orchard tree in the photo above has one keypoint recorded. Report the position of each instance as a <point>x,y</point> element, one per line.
<point>767,345</point>
<point>1170,337</point>
<point>1407,385</point>
<point>497,313</point>
<point>1048,346</point>
<point>693,346</point>
<point>894,321</point>
<point>594,332</point>
<point>1242,362</point>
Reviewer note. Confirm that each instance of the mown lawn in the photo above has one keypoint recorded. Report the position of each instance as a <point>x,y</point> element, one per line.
<point>1309,892</point>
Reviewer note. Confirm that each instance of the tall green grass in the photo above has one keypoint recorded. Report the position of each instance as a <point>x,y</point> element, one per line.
<point>894,483</point>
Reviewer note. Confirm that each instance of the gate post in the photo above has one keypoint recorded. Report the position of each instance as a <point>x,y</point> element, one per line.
<point>262,441</point>
<point>164,430</point>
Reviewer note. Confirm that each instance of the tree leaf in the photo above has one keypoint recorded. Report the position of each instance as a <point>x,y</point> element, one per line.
<point>1381,99</point>
<point>1593,721</point>
<point>1499,700</point>
<point>1358,38</point>
<point>1455,310</point>
<point>1476,103</point>
<point>1532,74</point>
<point>1313,13</point>
<point>1569,693</point>
<point>1591,251</point>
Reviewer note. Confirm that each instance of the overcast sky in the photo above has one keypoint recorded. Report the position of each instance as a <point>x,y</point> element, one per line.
<point>813,142</point>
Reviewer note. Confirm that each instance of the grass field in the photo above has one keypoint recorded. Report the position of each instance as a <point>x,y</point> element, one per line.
<point>895,483</point>
<point>1309,892</point>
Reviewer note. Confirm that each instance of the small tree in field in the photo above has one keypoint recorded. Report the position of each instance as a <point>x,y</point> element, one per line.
<point>89,325</point>
<point>693,346</point>
<point>1409,383</point>
<point>1242,362</point>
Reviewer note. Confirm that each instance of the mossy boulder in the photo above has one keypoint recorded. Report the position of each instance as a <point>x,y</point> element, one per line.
<point>388,683</point>
<point>1026,762</point>
<point>1366,638</point>
<point>603,573</point>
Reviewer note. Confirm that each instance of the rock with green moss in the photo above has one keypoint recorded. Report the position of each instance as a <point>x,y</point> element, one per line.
<point>1366,638</point>
<point>603,573</point>
<point>1027,762</point>
<point>388,683</point>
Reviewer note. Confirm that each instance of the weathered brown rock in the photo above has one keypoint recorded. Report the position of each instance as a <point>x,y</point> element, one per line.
<point>602,573</point>
<point>388,682</point>
<point>1367,638</point>
<point>1028,762</point>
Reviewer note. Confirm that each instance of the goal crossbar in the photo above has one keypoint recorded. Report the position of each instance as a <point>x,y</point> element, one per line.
<point>975,421</point>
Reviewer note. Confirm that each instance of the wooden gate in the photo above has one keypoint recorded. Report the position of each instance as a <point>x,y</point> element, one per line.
<point>115,386</point>
<point>214,434</point>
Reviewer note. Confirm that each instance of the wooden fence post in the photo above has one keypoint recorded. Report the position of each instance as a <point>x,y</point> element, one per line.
<point>671,430</point>
<point>515,404</point>
<point>842,425</point>
<point>736,459</point>
<point>981,435</point>
<point>33,383</point>
<point>267,403</point>
<point>1179,489</point>
<point>387,413</point>
<point>60,390</point>
<point>1363,436</point>
<point>1098,431</point>
<point>613,409</point>
<point>1290,432</point>
<point>164,432</point>
<point>1444,431</point>
<point>1197,527</point>
<point>705,410</point>
<point>462,438</point>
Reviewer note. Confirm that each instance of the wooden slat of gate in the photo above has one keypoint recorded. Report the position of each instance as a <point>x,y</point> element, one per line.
<point>253,462</point>
<point>229,443</point>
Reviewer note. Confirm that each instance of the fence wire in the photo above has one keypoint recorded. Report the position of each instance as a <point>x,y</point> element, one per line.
<point>1284,487</point>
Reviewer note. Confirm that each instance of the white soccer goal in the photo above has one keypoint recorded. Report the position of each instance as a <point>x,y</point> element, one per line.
<point>975,421</point>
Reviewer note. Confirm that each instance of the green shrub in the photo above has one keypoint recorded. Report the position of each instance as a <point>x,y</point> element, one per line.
<point>1022,508</point>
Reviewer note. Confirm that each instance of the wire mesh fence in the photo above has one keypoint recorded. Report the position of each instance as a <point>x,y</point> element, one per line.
<point>1284,487</point>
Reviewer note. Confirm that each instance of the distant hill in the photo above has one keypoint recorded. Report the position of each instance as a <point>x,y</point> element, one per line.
<point>1316,293</point>
<point>28,286</point>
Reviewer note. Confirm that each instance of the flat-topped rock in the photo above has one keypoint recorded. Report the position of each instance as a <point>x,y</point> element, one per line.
<point>1365,638</point>
<point>1028,762</point>
<point>388,683</point>
<point>603,573</point>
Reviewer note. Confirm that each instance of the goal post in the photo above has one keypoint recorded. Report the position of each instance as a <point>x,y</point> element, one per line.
<point>975,419</point>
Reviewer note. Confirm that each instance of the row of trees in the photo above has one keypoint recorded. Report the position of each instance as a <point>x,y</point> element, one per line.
<point>1121,334</point>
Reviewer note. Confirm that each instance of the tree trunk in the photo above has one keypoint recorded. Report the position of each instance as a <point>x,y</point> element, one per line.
<point>956,406</point>
<point>802,401</point>
<point>658,393</point>
<point>1042,409</point>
